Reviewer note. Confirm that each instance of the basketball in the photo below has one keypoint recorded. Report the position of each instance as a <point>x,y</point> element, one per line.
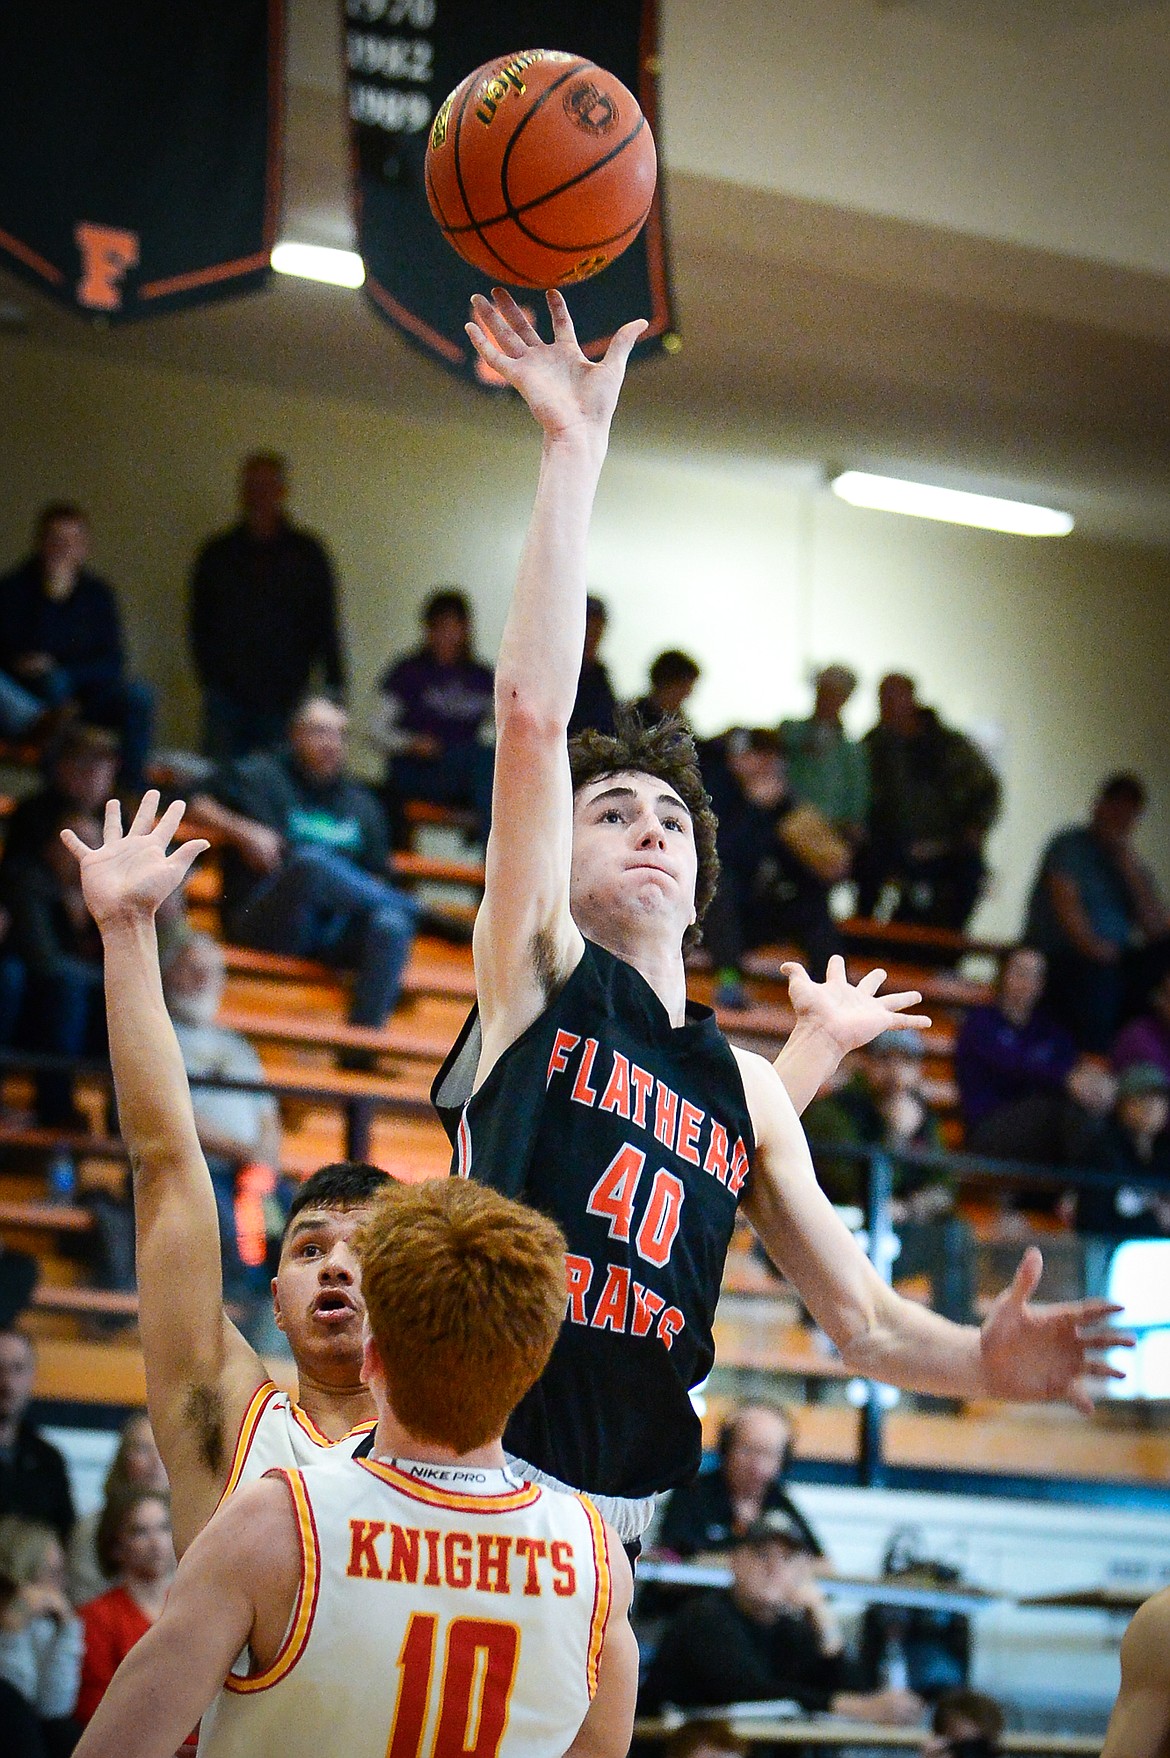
<point>540,168</point>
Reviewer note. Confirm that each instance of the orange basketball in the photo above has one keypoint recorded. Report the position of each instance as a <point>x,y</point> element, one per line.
<point>540,168</point>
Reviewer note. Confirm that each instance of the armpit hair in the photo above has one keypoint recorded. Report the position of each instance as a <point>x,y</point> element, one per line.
<point>544,962</point>
<point>204,1416</point>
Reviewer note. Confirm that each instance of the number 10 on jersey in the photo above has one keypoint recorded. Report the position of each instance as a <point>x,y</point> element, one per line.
<point>478,1673</point>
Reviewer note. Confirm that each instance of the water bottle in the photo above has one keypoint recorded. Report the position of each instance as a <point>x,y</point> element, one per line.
<point>62,1180</point>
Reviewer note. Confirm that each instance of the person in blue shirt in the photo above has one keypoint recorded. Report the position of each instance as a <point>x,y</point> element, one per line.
<point>1096,914</point>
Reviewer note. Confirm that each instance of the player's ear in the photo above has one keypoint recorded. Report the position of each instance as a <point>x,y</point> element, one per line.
<point>372,1368</point>
<point>276,1312</point>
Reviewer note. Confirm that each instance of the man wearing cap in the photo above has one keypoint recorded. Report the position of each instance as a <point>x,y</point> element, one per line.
<point>1136,1148</point>
<point>886,1104</point>
<point>826,768</point>
<point>770,1635</point>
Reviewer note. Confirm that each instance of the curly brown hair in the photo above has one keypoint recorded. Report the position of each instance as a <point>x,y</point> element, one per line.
<point>667,752</point>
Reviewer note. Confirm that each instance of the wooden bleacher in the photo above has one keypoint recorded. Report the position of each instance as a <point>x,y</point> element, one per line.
<point>294,1011</point>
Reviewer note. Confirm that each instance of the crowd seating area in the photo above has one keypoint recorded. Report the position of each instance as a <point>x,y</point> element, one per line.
<point>293,1010</point>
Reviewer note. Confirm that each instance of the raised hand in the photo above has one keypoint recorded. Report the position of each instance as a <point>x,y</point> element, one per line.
<point>127,878</point>
<point>565,391</point>
<point>850,1014</point>
<point>1033,1352</point>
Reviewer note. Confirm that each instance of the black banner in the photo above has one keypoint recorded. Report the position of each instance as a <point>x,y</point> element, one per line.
<point>140,148</point>
<point>404,57</point>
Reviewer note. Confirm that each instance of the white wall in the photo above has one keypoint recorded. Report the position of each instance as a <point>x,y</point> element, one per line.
<point>1059,643</point>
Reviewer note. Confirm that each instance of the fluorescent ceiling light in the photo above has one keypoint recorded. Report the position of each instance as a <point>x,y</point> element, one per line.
<point>313,262</point>
<point>891,495</point>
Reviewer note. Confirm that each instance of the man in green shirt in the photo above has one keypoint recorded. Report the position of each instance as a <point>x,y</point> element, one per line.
<point>826,768</point>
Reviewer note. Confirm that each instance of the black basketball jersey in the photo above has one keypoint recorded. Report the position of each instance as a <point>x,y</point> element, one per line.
<point>634,1136</point>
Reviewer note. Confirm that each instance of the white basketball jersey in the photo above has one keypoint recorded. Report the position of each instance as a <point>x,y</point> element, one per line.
<point>276,1432</point>
<point>442,1613</point>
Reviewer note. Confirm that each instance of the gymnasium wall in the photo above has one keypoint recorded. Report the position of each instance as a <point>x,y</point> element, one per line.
<point>1053,652</point>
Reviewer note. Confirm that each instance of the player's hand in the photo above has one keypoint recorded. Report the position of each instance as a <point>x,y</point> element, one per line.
<point>1033,1353</point>
<point>566,393</point>
<point>131,873</point>
<point>850,1014</point>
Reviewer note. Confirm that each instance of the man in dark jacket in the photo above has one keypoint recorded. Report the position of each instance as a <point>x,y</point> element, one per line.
<point>748,1482</point>
<point>769,1636</point>
<point>61,637</point>
<point>305,860</point>
<point>934,797</point>
<point>33,1480</point>
<point>262,615</point>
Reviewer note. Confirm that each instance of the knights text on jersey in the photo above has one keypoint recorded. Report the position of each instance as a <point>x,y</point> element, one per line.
<point>635,1136</point>
<point>276,1432</point>
<point>441,1609</point>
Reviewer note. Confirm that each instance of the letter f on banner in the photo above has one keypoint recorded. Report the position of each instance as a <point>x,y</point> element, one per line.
<point>107,253</point>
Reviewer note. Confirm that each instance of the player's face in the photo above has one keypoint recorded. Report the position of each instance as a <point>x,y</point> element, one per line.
<point>634,861</point>
<point>317,1291</point>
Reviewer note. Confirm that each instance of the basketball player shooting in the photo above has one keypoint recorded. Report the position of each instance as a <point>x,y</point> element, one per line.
<point>425,1598</point>
<point>587,1085</point>
<point>217,1417</point>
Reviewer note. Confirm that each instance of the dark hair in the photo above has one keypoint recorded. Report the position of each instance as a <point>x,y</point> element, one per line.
<point>1124,788</point>
<point>984,1711</point>
<point>346,1184</point>
<point>270,461</point>
<point>673,667</point>
<point>717,1736</point>
<point>54,510</point>
<point>446,601</point>
<point>115,1512</point>
<point>666,751</point>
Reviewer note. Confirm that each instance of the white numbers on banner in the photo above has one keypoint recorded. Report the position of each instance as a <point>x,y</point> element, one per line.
<point>410,58</point>
<point>418,14</point>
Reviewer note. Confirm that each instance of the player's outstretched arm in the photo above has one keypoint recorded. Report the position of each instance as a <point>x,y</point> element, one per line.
<point>1024,1351</point>
<point>525,941</point>
<point>235,1587</point>
<point>200,1373</point>
<point>608,1727</point>
<point>833,1018</point>
<point>1140,1724</point>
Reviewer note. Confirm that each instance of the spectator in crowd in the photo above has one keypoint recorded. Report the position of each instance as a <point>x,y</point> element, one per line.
<point>434,718</point>
<point>965,1724</point>
<point>1147,1036</point>
<point>828,769</point>
<point>1135,1147</point>
<point>771,1635</point>
<point>778,861</point>
<point>885,1103</point>
<point>61,637</point>
<point>922,1648</point>
<point>1096,914</point>
<point>706,1738</point>
<point>755,1448</point>
<point>262,617</point>
<point>40,1634</point>
<point>238,1132</point>
<point>673,677</point>
<point>33,1480</point>
<point>55,938</point>
<point>305,868</point>
<point>934,797</point>
<point>19,1272</point>
<point>1025,1090</point>
<point>135,1465</point>
<point>136,1551</point>
<point>596,703</point>
<point>80,772</point>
